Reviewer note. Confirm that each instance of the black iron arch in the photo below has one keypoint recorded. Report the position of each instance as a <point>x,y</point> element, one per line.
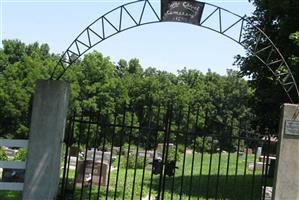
<point>142,12</point>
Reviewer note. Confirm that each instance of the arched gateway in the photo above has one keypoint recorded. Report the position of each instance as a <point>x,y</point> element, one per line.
<point>161,152</point>
<point>142,12</point>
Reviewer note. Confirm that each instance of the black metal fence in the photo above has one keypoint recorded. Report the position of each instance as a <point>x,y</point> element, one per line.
<point>162,152</point>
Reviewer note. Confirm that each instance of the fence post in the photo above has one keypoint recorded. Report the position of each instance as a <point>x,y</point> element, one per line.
<point>45,140</point>
<point>286,180</point>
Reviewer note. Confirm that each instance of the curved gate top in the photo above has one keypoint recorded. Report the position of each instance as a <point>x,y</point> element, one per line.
<point>142,12</point>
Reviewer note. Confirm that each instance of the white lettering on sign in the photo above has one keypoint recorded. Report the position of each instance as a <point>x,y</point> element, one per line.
<point>183,11</point>
<point>180,13</point>
<point>191,7</point>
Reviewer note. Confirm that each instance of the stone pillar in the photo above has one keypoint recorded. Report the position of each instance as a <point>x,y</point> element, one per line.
<point>286,180</point>
<point>45,140</point>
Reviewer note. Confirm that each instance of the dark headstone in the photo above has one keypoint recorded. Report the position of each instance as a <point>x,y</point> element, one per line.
<point>13,175</point>
<point>89,176</point>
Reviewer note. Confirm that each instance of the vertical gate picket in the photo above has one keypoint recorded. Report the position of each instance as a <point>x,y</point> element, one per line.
<point>68,133</point>
<point>128,152</point>
<point>168,122</point>
<point>207,168</point>
<point>94,150</point>
<point>253,177</point>
<point>120,148</point>
<point>111,153</point>
<point>185,149</point>
<point>176,146</point>
<point>201,163</point>
<point>164,153</point>
<point>85,156</point>
<point>193,137</point>
<point>155,144</point>
<point>148,131</point>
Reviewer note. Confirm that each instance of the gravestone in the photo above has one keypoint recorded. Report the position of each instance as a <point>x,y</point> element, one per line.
<point>257,166</point>
<point>161,145</point>
<point>149,155</point>
<point>94,176</point>
<point>97,155</point>
<point>73,161</point>
<point>259,152</point>
<point>13,175</point>
<point>189,151</point>
<point>268,192</point>
<point>249,151</point>
<point>10,153</point>
<point>115,150</point>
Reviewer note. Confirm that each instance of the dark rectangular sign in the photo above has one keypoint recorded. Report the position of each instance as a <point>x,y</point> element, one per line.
<point>188,11</point>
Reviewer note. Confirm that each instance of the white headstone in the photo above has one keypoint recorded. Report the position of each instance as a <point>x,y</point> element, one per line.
<point>259,152</point>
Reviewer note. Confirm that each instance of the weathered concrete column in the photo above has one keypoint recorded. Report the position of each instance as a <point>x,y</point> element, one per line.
<point>45,140</point>
<point>286,181</point>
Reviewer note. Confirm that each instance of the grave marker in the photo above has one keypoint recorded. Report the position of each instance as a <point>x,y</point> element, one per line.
<point>94,176</point>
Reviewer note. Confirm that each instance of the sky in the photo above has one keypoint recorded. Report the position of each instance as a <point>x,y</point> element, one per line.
<point>166,46</point>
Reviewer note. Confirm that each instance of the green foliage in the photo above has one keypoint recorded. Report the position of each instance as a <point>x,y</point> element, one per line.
<point>3,155</point>
<point>133,163</point>
<point>173,155</point>
<point>181,148</point>
<point>21,65</point>
<point>99,85</point>
<point>278,19</point>
<point>206,144</point>
<point>21,155</point>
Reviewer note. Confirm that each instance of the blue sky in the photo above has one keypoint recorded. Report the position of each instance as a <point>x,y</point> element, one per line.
<point>166,46</point>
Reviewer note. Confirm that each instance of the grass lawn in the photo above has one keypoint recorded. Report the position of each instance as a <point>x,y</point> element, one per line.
<point>10,195</point>
<point>237,184</point>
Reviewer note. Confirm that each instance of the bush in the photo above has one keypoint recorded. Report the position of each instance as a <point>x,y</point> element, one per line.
<point>3,155</point>
<point>131,162</point>
<point>21,155</point>
<point>181,148</point>
<point>208,146</point>
<point>171,154</point>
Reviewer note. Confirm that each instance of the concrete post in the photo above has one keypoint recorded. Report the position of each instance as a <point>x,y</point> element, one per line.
<point>286,180</point>
<point>45,140</point>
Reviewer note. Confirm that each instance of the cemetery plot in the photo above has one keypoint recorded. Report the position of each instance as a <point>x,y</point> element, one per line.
<point>125,161</point>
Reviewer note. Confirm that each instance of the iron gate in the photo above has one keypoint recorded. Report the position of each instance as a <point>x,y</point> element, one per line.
<point>162,152</point>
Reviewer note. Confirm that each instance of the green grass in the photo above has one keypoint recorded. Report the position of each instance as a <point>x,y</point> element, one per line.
<point>237,184</point>
<point>10,195</point>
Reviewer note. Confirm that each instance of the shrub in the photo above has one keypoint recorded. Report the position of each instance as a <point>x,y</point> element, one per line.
<point>21,155</point>
<point>171,154</point>
<point>131,162</point>
<point>181,148</point>
<point>208,145</point>
<point>3,155</point>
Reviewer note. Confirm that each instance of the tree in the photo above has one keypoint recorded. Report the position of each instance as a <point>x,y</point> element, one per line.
<point>278,19</point>
<point>21,65</point>
<point>97,84</point>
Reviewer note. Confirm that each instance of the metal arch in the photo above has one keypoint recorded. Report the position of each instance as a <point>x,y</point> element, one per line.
<point>108,25</point>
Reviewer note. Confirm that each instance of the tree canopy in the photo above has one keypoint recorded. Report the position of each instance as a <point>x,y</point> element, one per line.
<point>279,19</point>
<point>98,83</point>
